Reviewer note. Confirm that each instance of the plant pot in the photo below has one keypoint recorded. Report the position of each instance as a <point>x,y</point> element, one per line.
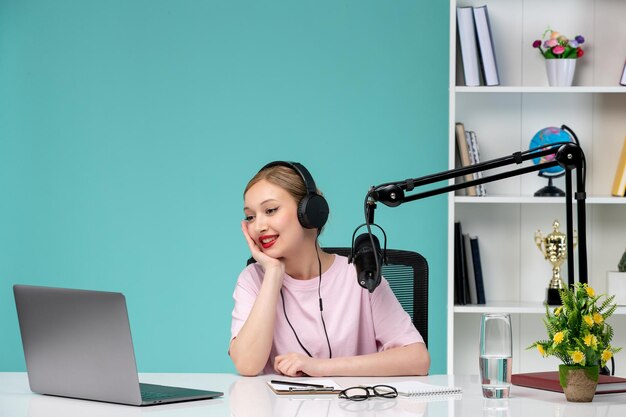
<point>560,72</point>
<point>616,285</point>
<point>579,382</point>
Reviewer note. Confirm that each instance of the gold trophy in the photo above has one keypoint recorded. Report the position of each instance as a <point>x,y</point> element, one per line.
<point>554,248</point>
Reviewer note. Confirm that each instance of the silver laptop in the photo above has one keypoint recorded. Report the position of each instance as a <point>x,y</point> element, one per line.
<point>77,344</point>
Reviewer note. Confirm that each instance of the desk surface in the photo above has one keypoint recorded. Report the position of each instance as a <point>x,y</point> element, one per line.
<point>251,397</point>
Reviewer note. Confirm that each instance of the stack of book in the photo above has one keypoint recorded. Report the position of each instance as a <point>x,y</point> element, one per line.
<point>468,271</point>
<point>477,51</point>
<point>468,154</point>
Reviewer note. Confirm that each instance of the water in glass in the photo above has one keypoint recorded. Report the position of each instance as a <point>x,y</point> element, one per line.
<point>495,372</point>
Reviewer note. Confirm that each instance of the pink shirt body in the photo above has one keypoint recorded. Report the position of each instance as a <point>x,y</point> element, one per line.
<point>358,323</point>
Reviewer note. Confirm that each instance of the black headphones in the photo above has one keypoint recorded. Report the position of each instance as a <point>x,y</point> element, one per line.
<point>313,208</point>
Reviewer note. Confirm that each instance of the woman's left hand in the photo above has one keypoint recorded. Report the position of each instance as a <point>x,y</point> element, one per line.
<point>296,364</point>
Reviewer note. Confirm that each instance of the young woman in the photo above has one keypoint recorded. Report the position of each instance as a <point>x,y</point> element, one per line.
<point>298,310</point>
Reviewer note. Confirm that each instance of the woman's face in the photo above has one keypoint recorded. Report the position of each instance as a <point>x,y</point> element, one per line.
<point>271,214</point>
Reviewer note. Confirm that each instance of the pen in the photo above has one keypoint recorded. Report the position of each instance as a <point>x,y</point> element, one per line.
<point>311,389</point>
<point>296,384</point>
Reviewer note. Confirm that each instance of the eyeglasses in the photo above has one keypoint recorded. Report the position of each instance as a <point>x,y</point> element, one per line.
<point>363,393</point>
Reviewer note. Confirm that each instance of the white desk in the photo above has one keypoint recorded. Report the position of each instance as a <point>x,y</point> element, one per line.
<point>251,397</point>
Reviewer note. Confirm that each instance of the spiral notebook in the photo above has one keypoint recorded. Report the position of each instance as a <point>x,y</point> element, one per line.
<point>422,389</point>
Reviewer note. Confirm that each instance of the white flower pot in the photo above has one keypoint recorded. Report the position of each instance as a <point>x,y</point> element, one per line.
<point>616,285</point>
<point>560,72</point>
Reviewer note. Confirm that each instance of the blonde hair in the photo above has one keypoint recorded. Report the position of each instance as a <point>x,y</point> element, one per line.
<point>283,177</point>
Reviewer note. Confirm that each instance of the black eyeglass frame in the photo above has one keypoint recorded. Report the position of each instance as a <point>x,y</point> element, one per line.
<point>369,392</point>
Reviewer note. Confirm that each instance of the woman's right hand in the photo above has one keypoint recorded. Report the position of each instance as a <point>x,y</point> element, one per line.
<point>266,262</point>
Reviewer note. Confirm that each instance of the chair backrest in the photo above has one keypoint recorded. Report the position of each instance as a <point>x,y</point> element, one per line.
<point>407,274</point>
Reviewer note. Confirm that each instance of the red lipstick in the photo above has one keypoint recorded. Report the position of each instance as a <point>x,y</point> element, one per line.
<point>267,241</point>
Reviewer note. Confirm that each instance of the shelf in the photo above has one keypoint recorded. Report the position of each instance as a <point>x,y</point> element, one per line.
<point>513,307</point>
<point>533,90</point>
<point>504,118</point>
<point>502,307</point>
<point>534,200</point>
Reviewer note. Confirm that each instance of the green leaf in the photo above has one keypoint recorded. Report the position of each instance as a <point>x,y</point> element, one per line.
<point>607,302</point>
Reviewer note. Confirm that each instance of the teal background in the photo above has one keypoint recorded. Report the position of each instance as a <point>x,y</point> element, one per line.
<point>128,130</point>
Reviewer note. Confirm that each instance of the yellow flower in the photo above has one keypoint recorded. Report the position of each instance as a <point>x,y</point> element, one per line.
<point>557,311</point>
<point>590,340</point>
<point>597,318</point>
<point>542,351</point>
<point>606,355</point>
<point>588,320</point>
<point>590,292</point>
<point>577,356</point>
<point>558,338</point>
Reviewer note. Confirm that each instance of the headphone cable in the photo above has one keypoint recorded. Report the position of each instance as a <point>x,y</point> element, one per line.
<point>319,294</point>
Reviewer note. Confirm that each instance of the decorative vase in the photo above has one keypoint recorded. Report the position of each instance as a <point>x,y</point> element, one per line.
<point>579,382</point>
<point>616,284</point>
<point>560,72</point>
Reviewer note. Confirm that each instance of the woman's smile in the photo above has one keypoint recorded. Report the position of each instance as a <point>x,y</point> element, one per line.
<point>267,240</point>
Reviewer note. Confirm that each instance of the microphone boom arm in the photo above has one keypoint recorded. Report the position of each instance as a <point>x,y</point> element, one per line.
<point>568,155</point>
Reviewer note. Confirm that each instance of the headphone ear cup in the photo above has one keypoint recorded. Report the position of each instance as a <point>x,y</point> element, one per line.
<point>313,211</point>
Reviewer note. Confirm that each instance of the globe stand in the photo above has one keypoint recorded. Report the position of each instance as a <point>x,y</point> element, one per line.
<point>550,190</point>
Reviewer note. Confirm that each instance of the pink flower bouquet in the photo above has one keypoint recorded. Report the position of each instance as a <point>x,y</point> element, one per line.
<point>558,46</point>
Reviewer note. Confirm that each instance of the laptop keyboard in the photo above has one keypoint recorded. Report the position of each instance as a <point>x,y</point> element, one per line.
<point>151,393</point>
<point>154,395</point>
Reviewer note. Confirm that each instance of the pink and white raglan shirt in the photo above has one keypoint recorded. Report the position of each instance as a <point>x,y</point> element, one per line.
<point>358,323</point>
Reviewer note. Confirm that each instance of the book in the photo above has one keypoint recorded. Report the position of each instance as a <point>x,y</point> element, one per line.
<point>309,386</point>
<point>472,142</point>
<point>469,46</point>
<point>607,384</point>
<point>623,79</point>
<point>485,45</point>
<point>480,188</point>
<point>478,271</point>
<point>464,156</point>
<point>469,267</point>
<point>459,265</point>
<point>619,183</point>
<point>421,389</point>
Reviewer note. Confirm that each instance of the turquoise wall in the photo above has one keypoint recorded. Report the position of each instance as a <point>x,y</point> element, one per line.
<point>128,130</point>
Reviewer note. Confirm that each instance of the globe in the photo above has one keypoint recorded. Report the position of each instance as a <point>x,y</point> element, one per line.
<point>545,137</point>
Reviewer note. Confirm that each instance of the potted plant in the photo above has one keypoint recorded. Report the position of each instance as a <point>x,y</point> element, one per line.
<point>561,54</point>
<point>580,337</point>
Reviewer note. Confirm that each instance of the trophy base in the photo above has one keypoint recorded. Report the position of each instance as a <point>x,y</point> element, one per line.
<point>552,297</point>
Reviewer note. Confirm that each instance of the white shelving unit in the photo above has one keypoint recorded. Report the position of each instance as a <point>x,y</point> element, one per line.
<point>505,118</point>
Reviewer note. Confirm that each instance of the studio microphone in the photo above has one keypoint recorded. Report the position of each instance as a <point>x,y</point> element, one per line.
<point>368,275</point>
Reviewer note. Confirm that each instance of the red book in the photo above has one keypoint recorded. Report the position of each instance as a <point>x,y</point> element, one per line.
<point>550,381</point>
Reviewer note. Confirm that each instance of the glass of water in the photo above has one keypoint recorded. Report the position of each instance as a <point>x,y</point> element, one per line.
<point>496,349</point>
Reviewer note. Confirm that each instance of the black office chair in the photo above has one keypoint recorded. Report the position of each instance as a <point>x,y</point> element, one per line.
<point>407,274</point>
